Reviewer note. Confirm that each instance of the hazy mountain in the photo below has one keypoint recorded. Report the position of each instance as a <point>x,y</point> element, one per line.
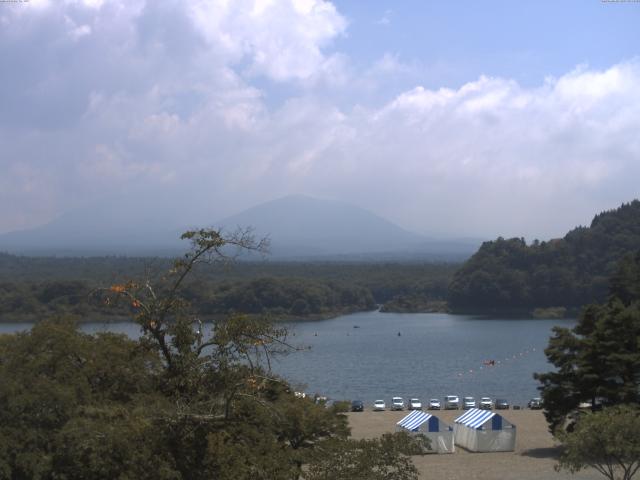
<point>96,230</point>
<point>303,225</point>
<point>299,227</point>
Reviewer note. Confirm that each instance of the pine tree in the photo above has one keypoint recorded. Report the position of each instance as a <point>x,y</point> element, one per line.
<point>598,361</point>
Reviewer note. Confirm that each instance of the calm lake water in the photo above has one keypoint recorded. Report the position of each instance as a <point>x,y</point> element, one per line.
<point>434,355</point>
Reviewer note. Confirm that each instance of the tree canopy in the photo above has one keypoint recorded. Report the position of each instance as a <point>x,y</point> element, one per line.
<point>33,287</point>
<point>571,272</point>
<point>607,441</point>
<point>598,361</point>
<point>175,404</point>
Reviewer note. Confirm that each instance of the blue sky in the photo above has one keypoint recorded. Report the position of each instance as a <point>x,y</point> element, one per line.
<point>526,41</point>
<point>472,118</point>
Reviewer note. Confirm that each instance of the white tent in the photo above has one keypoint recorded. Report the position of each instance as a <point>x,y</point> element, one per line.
<point>484,431</point>
<point>421,423</point>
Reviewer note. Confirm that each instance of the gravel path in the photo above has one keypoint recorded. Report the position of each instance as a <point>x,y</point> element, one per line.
<point>534,457</point>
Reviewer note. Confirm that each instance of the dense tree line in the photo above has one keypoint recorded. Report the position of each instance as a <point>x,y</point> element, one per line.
<point>280,297</point>
<point>571,271</point>
<point>27,301</point>
<point>32,287</point>
<point>385,279</point>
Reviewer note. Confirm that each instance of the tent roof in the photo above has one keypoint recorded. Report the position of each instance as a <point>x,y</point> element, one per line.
<point>475,418</point>
<point>414,420</point>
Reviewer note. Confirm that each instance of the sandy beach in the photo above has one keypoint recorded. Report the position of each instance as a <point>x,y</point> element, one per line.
<point>534,457</point>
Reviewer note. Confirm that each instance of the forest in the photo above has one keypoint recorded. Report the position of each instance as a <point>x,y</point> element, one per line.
<point>568,272</point>
<point>36,287</point>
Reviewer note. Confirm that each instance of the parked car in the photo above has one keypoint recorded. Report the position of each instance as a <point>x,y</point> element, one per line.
<point>468,402</point>
<point>535,403</point>
<point>434,404</point>
<point>415,404</point>
<point>594,407</point>
<point>502,404</point>
<point>397,403</point>
<point>451,402</point>
<point>379,406</point>
<point>357,406</point>
<point>486,403</point>
<point>329,403</point>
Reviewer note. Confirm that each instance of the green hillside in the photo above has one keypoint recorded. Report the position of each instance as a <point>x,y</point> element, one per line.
<point>568,272</point>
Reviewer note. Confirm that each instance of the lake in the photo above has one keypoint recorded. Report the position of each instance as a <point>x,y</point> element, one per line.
<point>434,355</point>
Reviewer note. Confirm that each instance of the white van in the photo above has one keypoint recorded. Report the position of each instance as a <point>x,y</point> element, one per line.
<point>397,403</point>
<point>451,402</point>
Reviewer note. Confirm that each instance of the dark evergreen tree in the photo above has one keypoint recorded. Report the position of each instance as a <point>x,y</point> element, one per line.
<point>598,361</point>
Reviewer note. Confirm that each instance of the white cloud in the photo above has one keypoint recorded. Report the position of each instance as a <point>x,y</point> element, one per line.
<point>390,64</point>
<point>536,146</point>
<point>385,19</point>
<point>280,39</point>
<point>120,95</point>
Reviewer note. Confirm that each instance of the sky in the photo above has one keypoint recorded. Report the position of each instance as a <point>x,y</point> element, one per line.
<point>466,118</point>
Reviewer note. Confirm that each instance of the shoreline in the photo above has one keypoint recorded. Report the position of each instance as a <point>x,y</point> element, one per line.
<point>514,315</point>
<point>99,317</point>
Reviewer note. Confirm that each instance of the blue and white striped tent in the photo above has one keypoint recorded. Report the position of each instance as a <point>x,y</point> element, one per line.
<point>440,434</point>
<point>484,431</point>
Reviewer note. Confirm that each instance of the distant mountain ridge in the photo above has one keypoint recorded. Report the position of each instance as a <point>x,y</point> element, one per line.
<point>570,272</point>
<point>299,227</point>
<point>77,234</point>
